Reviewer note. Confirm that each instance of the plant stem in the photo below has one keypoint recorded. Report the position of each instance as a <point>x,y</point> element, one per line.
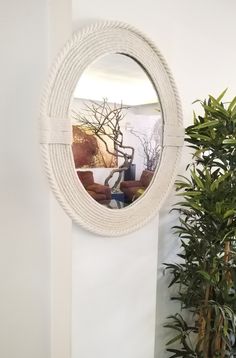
<point>222,349</point>
<point>218,340</point>
<point>207,310</point>
<point>227,250</point>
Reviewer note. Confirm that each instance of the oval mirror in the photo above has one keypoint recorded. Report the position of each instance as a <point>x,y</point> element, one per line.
<point>117,130</point>
<point>141,107</point>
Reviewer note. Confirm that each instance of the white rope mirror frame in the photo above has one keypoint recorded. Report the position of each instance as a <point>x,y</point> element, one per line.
<point>84,48</point>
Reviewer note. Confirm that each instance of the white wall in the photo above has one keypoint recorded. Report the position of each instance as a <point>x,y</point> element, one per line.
<point>114,279</point>
<point>59,30</point>
<point>24,196</point>
<point>35,321</point>
<point>197,40</point>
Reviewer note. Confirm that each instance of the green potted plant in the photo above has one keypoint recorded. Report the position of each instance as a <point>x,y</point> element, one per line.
<point>205,274</point>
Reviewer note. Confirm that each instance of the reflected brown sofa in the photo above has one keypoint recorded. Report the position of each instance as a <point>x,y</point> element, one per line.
<point>99,192</point>
<point>130,187</point>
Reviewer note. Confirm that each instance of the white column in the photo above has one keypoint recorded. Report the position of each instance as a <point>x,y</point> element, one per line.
<point>59,26</point>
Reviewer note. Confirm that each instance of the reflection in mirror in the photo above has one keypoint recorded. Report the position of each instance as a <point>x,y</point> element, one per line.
<point>117,130</point>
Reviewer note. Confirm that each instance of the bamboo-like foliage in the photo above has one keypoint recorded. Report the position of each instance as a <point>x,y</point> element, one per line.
<point>205,275</point>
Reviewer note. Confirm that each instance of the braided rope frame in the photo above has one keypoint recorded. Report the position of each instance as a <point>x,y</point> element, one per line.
<point>84,47</point>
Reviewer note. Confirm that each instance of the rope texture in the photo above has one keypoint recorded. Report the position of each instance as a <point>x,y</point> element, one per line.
<point>85,46</point>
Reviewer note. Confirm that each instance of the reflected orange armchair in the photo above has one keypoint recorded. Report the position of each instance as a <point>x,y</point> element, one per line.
<point>98,192</point>
<point>131,187</point>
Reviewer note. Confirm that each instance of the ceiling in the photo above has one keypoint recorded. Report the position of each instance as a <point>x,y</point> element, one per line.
<point>118,78</point>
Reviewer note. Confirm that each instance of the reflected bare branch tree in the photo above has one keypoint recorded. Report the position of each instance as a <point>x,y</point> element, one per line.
<point>103,120</point>
<point>151,148</point>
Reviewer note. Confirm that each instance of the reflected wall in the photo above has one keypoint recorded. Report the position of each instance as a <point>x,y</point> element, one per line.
<point>117,130</point>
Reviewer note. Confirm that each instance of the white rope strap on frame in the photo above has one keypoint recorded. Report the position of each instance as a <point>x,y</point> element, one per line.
<point>55,131</point>
<point>173,136</point>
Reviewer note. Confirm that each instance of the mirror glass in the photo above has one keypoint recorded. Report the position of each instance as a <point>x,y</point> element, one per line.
<point>117,126</point>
